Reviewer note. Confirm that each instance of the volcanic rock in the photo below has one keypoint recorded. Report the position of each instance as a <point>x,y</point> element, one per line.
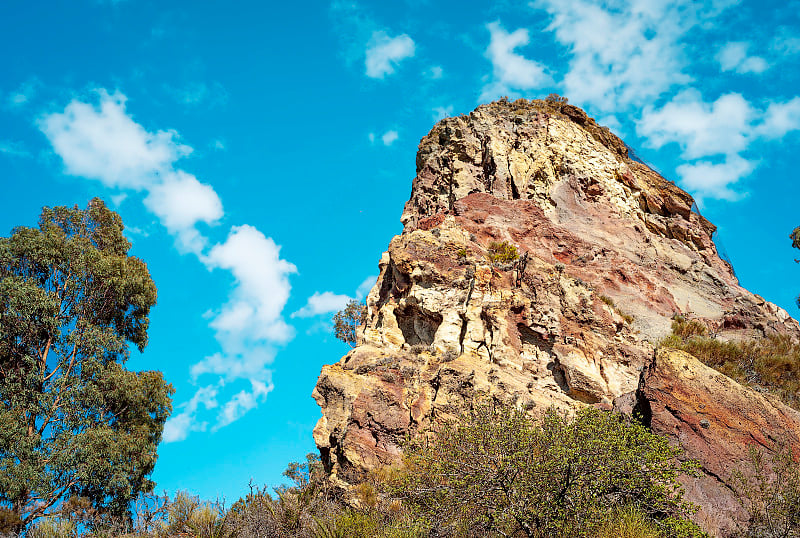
<point>610,253</point>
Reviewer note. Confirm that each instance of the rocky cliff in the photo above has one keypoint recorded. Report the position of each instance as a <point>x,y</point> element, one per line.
<point>610,253</point>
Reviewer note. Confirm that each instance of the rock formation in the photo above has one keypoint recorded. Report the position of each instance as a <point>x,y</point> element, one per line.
<point>610,252</point>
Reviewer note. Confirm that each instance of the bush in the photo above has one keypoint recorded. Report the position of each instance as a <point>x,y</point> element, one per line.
<point>771,363</point>
<point>629,522</point>
<point>502,252</point>
<point>769,490</point>
<point>496,471</point>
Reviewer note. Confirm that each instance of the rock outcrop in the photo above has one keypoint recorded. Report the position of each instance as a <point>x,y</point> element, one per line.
<point>717,421</point>
<point>611,251</point>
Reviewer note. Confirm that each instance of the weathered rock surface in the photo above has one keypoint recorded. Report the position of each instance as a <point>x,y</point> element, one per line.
<point>717,421</point>
<point>611,252</point>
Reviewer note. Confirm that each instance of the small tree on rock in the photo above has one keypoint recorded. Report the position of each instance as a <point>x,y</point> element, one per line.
<point>346,321</point>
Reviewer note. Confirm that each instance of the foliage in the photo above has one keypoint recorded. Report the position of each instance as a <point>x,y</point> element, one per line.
<point>772,363</point>
<point>188,515</point>
<point>73,421</point>
<point>629,522</point>
<point>346,321</point>
<point>496,471</point>
<point>502,252</point>
<point>556,99</point>
<point>795,237</point>
<point>610,302</point>
<point>769,490</point>
<point>294,511</point>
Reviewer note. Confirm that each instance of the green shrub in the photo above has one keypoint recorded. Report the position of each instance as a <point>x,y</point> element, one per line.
<point>769,490</point>
<point>51,527</point>
<point>496,471</point>
<point>771,363</point>
<point>629,522</point>
<point>502,252</point>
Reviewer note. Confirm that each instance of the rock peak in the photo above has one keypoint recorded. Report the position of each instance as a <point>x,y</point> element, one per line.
<point>610,253</point>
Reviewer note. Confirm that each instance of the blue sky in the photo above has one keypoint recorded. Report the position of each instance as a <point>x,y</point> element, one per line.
<point>260,154</point>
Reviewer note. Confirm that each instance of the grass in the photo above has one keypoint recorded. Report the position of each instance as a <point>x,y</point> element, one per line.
<point>610,302</point>
<point>771,363</point>
<point>629,522</point>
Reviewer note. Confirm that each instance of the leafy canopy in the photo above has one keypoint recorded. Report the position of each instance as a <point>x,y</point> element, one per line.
<point>74,423</point>
<point>496,471</point>
<point>346,321</point>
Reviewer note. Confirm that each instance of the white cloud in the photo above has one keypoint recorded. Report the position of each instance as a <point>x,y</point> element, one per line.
<point>701,128</point>
<point>389,137</point>
<point>623,53</point>
<point>385,53</point>
<point>241,403</point>
<point>733,57</point>
<point>714,180</point>
<point>511,71</point>
<point>779,119</point>
<point>262,287</point>
<point>322,303</point>
<point>441,112</point>
<point>365,287</point>
<point>724,129</point>
<point>328,302</point>
<point>180,201</point>
<point>196,93</point>
<point>178,427</point>
<point>103,142</point>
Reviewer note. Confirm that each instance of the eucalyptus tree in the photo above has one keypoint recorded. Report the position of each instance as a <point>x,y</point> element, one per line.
<point>74,422</point>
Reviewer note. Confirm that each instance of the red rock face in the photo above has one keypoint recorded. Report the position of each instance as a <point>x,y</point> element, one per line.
<point>611,251</point>
<point>717,421</point>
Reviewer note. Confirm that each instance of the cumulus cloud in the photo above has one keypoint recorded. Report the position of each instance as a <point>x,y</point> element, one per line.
<point>180,202</point>
<point>511,70</point>
<point>241,403</point>
<point>623,53</point>
<point>701,128</point>
<point>384,53</point>
<point>722,130</point>
<point>779,119</point>
<point>328,302</point>
<point>707,179</point>
<point>387,139</point>
<point>262,287</point>
<point>322,303</point>
<point>102,141</point>
<point>733,57</point>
